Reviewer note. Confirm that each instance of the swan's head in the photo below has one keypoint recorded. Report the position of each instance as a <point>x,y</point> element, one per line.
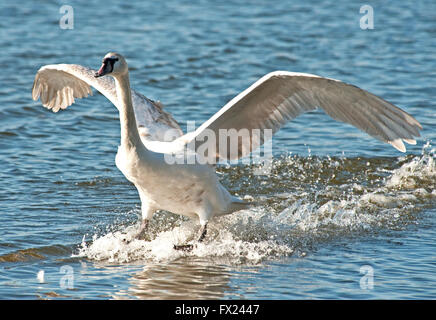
<point>113,64</point>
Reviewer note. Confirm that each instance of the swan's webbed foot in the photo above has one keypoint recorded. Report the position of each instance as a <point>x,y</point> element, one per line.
<point>189,247</point>
<point>184,247</point>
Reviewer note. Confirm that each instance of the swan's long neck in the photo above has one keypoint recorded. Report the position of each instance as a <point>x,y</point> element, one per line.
<point>129,131</point>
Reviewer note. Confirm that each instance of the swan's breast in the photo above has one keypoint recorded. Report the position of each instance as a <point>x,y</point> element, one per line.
<point>127,162</point>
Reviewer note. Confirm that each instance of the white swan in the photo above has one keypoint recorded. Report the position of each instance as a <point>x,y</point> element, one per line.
<point>193,189</point>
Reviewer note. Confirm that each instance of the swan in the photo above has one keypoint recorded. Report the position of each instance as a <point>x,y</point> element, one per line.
<point>194,189</point>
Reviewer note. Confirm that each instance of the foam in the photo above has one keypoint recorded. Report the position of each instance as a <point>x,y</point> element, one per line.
<point>415,173</point>
<point>223,245</point>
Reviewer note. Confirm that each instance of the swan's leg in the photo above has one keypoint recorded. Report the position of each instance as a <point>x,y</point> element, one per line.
<point>203,232</point>
<point>142,229</point>
<point>189,247</point>
<point>204,214</point>
<point>146,214</point>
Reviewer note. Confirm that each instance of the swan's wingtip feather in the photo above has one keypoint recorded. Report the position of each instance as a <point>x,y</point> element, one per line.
<point>35,92</point>
<point>410,141</point>
<point>398,144</point>
<point>36,88</point>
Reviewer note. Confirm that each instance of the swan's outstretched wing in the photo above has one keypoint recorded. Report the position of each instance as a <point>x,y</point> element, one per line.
<point>59,85</point>
<point>281,96</point>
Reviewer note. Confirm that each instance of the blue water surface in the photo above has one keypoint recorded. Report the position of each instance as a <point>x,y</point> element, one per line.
<point>342,216</point>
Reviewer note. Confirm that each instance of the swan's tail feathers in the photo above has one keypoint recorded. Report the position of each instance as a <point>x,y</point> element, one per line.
<point>239,204</point>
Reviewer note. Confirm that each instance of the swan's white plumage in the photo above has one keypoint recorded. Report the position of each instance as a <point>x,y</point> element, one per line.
<point>272,101</point>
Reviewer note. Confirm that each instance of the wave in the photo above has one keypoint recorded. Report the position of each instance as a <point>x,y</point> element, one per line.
<point>39,253</point>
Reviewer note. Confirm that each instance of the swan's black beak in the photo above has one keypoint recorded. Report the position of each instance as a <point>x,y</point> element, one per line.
<point>104,69</point>
<point>107,67</point>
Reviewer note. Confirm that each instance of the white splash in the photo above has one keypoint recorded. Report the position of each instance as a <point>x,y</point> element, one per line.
<point>410,174</point>
<point>221,244</point>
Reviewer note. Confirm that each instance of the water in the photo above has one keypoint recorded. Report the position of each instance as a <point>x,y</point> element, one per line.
<point>342,216</point>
